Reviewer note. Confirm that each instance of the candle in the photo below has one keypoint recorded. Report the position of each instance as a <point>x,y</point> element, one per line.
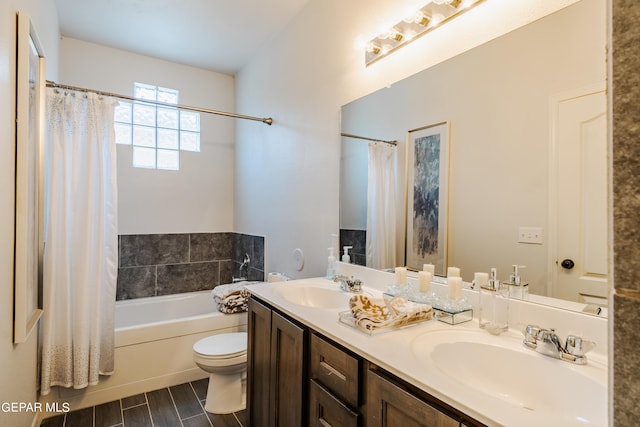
<point>455,287</point>
<point>480,280</point>
<point>424,279</point>
<point>401,275</point>
<point>429,268</point>
<point>453,272</point>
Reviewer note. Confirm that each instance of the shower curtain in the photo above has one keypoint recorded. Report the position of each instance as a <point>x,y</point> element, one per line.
<point>381,206</point>
<point>81,247</point>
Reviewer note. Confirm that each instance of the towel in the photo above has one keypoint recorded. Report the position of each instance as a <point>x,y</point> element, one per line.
<point>231,298</point>
<point>376,314</point>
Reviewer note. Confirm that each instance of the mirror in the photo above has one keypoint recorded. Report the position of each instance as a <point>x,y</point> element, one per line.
<point>510,104</point>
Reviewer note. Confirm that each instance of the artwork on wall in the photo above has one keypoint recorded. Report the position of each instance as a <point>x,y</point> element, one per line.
<point>427,196</point>
<point>29,133</point>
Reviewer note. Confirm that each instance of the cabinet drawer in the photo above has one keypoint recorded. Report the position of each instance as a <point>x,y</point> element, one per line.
<point>334,369</point>
<point>325,410</point>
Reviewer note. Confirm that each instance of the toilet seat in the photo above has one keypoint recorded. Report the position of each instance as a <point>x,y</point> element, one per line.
<point>222,346</point>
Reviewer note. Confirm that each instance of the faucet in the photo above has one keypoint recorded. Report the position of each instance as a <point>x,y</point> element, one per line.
<point>349,284</point>
<point>244,266</point>
<point>547,342</point>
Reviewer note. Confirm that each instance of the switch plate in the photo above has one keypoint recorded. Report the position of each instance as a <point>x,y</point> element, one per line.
<point>532,235</point>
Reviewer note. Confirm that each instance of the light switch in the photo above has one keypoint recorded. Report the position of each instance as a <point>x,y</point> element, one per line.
<point>532,235</point>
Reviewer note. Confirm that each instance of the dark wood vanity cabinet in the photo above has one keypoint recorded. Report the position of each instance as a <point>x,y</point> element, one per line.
<point>298,377</point>
<point>389,404</point>
<point>276,369</point>
<point>334,385</point>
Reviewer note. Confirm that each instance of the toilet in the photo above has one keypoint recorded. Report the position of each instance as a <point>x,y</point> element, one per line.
<point>224,357</point>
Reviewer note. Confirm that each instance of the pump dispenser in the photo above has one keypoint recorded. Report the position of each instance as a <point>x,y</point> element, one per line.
<point>494,305</point>
<point>517,288</point>
<point>345,257</point>
<point>331,265</point>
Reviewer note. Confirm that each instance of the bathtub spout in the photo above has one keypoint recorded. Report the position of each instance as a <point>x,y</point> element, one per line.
<point>244,268</point>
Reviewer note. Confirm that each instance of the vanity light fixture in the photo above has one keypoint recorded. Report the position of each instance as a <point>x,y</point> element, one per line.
<point>427,18</point>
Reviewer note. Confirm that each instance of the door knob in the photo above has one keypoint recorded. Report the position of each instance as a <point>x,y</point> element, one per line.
<point>567,263</point>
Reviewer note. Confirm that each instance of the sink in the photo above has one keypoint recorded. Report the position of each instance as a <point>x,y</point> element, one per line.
<point>500,367</point>
<point>316,295</point>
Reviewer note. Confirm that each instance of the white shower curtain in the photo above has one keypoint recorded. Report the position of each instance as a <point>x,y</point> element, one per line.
<point>381,206</point>
<point>81,244</point>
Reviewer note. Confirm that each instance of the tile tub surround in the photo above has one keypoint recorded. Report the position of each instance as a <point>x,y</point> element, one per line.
<point>164,264</point>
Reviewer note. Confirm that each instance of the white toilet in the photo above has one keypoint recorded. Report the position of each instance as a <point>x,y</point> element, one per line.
<point>224,357</point>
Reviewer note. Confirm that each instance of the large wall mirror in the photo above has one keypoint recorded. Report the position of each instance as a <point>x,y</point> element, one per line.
<point>526,154</point>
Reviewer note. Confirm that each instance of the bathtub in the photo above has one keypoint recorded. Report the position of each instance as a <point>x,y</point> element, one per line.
<point>154,340</point>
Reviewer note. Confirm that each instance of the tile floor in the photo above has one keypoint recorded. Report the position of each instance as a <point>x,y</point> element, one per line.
<point>177,406</point>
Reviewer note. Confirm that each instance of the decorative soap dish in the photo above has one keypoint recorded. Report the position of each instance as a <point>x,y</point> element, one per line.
<point>453,317</point>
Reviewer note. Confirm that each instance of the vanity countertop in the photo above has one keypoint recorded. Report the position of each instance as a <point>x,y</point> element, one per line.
<point>400,352</point>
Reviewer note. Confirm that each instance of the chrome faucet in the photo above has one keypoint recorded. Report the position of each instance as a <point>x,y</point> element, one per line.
<point>547,342</point>
<point>244,266</point>
<point>349,284</point>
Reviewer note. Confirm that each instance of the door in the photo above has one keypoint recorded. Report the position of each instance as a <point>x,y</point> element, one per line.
<point>579,262</point>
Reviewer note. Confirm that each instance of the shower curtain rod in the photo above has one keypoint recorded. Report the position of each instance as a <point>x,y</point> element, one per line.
<point>348,135</point>
<point>266,120</point>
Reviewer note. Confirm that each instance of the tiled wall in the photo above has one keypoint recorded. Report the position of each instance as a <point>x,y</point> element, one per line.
<point>357,239</point>
<point>163,264</point>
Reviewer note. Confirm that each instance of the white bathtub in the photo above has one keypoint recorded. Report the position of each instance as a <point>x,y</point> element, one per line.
<point>154,340</point>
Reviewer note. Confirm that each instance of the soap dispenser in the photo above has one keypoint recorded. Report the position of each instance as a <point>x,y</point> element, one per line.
<point>345,257</point>
<point>517,288</point>
<point>494,305</point>
<point>331,265</point>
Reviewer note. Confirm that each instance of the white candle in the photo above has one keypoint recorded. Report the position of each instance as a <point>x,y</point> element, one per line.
<point>453,272</point>
<point>424,279</point>
<point>481,279</point>
<point>455,287</point>
<point>401,275</point>
<point>429,268</point>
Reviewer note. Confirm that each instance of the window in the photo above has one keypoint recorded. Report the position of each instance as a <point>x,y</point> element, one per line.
<point>157,133</point>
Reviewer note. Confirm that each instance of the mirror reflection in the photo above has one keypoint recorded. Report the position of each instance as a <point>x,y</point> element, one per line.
<point>527,156</point>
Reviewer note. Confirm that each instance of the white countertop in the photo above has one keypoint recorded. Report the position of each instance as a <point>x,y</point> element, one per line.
<point>392,351</point>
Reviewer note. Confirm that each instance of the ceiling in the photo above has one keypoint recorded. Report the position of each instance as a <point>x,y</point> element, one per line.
<point>217,35</point>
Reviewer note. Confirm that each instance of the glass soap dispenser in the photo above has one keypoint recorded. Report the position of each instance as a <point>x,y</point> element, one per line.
<point>494,305</point>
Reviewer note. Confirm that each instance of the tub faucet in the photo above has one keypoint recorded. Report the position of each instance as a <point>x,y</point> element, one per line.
<point>547,342</point>
<point>349,284</point>
<point>243,267</point>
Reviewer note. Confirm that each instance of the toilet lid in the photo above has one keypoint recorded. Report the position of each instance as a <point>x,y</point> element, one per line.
<point>222,345</point>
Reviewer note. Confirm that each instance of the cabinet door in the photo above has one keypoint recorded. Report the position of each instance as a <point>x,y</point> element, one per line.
<point>288,392</point>
<point>389,405</point>
<point>258,363</point>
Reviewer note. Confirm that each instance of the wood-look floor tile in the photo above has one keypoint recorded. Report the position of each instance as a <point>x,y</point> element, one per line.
<point>163,411</point>
<point>131,401</point>
<point>241,416</point>
<point>138,416</point>
<point>200,387</point>
<point>57,421</point>
<point>226,420</point>
<point>197,421</point>
<point>186,401</point>
<point>108,414</point>
<point>80,418</point>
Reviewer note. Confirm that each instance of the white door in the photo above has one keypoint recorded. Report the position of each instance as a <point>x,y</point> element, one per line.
<point>579,262</point>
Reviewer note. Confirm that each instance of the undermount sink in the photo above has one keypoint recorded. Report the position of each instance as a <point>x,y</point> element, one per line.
<point>316,295</point>
<point>497,366</point>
